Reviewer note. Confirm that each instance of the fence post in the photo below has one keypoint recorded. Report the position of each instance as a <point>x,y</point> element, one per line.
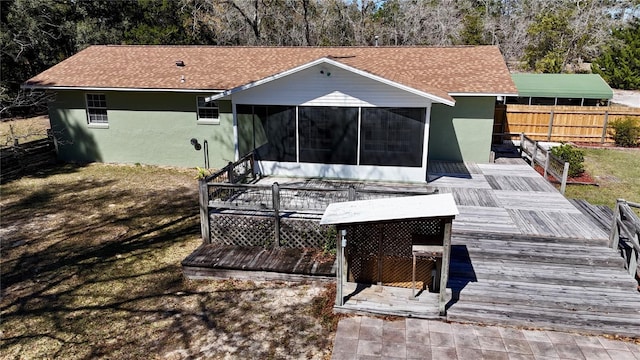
<point>614,235</point>
<point>604,127</point>
<point>534,154</point>
<point>565,175</point>
<point>205,227</point>
<point>230,172</point>
<point>275,192</point>
<point>550,126</point>
<point>351,193</point>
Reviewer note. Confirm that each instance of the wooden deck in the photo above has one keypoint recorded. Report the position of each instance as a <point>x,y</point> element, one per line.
<point>522,255</point>
<point>257,263</point>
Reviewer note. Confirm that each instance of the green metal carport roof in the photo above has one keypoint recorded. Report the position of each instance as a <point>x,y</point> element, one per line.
<point>573,86</point>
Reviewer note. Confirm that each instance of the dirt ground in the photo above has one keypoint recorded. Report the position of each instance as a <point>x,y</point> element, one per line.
<point>90,268</point>
<point>23,130</point>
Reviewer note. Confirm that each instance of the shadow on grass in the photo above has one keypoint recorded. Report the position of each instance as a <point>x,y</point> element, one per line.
<point>91,269</point>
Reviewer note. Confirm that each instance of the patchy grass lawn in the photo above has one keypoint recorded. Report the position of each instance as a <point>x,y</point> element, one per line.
<point>90,268</point>
<point>617,171</point>
<point>24,130</point>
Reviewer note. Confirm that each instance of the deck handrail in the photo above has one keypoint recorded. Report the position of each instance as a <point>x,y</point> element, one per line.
<point>235,172</point>
<point>278,200</point>
<point>625,234</point>
<point>551,164</point>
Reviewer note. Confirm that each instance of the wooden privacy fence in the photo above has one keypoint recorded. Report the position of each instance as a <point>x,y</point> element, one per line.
<point>551,164</point>
<point>558,123</point>
<point>21,159</point>
<point>625,234</point>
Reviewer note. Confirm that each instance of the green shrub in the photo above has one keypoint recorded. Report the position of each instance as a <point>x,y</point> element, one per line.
<point>572,155</point>
<point>625,132</point>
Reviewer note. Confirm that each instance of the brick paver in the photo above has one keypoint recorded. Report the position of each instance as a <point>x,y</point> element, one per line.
<point>372,338</point>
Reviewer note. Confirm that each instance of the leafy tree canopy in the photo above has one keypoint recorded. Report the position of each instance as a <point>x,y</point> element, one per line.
<point>619,63</point>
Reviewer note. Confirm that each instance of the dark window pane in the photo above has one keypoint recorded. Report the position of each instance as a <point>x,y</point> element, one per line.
<point>207,110</point>
<point>328,135</point>
<point>392,136</point>
<point>97,109</point>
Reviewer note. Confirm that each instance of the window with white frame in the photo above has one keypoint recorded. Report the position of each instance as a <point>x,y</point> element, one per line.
<point>97,109</point>
<point>208,111</point>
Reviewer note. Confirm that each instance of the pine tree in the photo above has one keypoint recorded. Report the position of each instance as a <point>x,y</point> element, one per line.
<point>619,63</point>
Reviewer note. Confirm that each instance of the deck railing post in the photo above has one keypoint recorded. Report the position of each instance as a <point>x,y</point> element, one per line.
<point>205,227</point>
<point>565,176</point>
<point>230,172</point>
<point>252,166</point>
<point>521,143</point>
<point>534,154</point>
<point>614,236</point>
<point>351,193</point>
<point>275,192</point>
<point>546,165</point>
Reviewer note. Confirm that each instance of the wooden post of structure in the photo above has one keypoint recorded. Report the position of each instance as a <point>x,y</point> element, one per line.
<point>565,175</point>
<point>230,172</point>
<point>275,193</point>
<point>339,256</point>
<point>534,153</point>
<point>205,227</point>
<point>614,235</point>
<point>604,126</point>
<point>550,126</point>
<point>444,272</point>
<point>380,251</point>
<point>341,243</point>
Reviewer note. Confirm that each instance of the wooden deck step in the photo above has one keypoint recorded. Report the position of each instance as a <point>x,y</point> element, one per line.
<point>601,215</point>
<point>570,298</point>
<point>587,276</point>
<point>545,318</point>
<point>492,251</point>
<point>464,236</point>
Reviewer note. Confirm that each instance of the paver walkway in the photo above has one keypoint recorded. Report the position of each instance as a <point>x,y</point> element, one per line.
<point>374,338</point>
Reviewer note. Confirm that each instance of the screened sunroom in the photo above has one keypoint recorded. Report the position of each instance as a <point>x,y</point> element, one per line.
<point>328,120</point>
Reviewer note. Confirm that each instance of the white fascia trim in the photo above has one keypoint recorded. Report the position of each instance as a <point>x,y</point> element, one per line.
<point>85,88</point>
<point>483,94</point>
<point>336,64</point>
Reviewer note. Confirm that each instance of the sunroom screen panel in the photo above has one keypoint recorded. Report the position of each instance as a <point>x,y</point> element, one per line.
<point>328,135</point>
<point>392,136</point>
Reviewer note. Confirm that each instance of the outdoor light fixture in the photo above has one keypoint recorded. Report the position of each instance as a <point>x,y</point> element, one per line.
<point>195,144</point>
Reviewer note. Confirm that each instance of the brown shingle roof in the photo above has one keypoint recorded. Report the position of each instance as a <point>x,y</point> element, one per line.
<point>436,70</point>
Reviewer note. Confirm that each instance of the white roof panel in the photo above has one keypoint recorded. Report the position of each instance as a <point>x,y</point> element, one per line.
<point>399,208</point>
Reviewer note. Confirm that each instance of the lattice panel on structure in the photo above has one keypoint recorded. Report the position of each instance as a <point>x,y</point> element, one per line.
<point>364,254</point>
<point>242,230</point>
<point>362,249</point>
<point>304,233</point>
